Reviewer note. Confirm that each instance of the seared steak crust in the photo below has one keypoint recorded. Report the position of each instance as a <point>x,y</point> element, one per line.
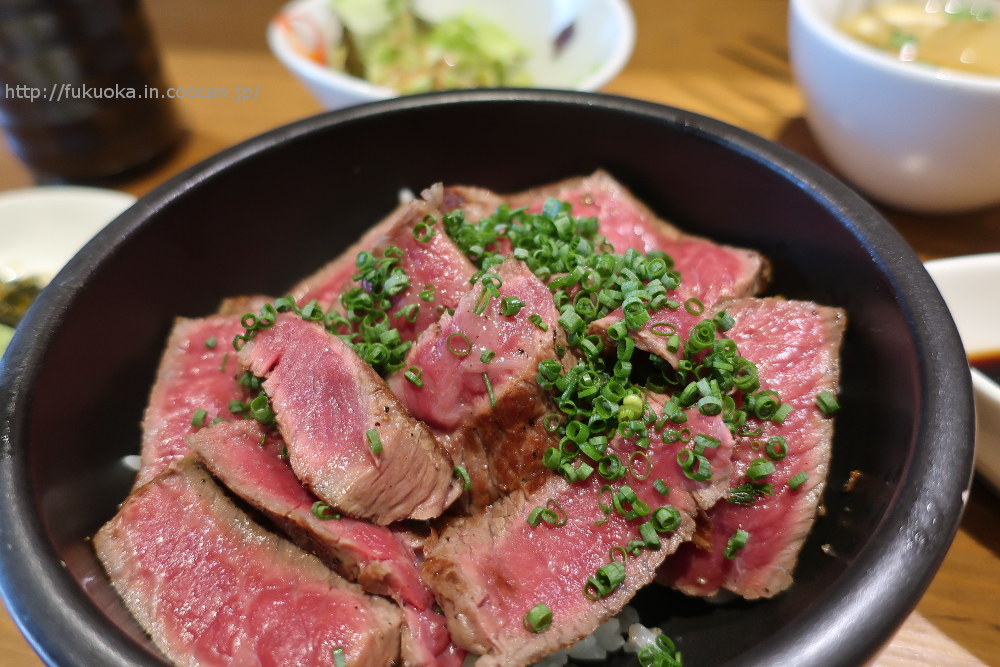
<point>475,203</point>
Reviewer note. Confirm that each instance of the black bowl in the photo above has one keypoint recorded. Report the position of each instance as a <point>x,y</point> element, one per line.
<point>259,216</point>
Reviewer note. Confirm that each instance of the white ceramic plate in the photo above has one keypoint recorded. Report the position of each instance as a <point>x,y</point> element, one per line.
<point>42,228</point>
<point>968,284</point>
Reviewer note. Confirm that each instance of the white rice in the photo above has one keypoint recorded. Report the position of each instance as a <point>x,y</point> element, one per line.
<point>609,637</point>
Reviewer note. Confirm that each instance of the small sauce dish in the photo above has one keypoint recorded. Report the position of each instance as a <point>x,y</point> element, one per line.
<point>963,281</point>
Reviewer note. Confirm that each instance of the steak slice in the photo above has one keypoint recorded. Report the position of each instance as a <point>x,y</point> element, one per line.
<point>499,446</point>
<point>436,261</point>
<point>363,552</point>
<point>627,223</point>
<point>328,402</point>
<point>709,271</point>
<point>191,377</point>
<point>796,347</point>
<point>212,588</point>
<point>489,570</point>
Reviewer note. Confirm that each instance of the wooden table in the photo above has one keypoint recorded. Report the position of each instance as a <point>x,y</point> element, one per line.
<point>727,59</point>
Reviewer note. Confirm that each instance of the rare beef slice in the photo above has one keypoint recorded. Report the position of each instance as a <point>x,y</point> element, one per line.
<point>429,257</point>
<point>499,439</point>
<point>349,439</point>
<point>489,570</point>
<point>796,347</point>
<point>374,556</point>
<point>705,266</point>
<point>197,372</point>
<point>709,271</point>
<point>214,589</point>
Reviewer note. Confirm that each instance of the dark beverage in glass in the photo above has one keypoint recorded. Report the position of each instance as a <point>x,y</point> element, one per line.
<point>82,95</point>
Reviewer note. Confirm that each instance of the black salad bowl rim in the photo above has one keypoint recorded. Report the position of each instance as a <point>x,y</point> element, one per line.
<point>843,628</point>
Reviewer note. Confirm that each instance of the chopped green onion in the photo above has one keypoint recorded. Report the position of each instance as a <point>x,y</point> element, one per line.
<point>649,537</point>
<point>489,390</point>
<point>703,441</point>
<point>631,463</point>
<point>510,306</point>
<point>211,343</point>
<point>483,302</point>
<point>724,321</point>
<point>666,519</point>
<point>413,374</point>
<point>759,469</point>
<point>487,356</point>
<point>198,419</point>
<point>459,353</point>
<point>614,551</point>
<point>552,514</point>
<point>539,619</point>
<point>735,543</point>
<point>798,480</point>
<point>694,306</point>
<point>572,322</point>
<point>409,313</point>
<point>748,492</point>
<point>284,304</point>
<point>427,293</point>
<point>781,413</point>
<point>320,509</point>
<point>668,330</point>
<point>338,658</point>
<point>661,487</point>
<point>422,231</point>
<point>260,408</point>
<point>225,360</point>
<point>536,319</point>
<point>617,331</point>
<point>610,467</point>
<point>374,441</point>
<point>826,402</point>
<point>551,422</point>
<point>463,474</point>
<point>610,576</point>
<point>776,448</point>
<point>552,458</point>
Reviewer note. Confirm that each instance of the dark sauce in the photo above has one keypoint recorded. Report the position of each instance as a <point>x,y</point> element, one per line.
<point>987,363</point>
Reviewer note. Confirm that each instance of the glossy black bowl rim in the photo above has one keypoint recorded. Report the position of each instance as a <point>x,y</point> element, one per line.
<point>842,628</point>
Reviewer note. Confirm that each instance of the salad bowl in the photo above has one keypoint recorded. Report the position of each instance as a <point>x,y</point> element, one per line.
<point>598,46</point>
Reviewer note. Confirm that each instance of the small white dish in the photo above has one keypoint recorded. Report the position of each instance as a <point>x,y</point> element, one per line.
<point>963,281</point>
<point>602,43</point>
<point>914,136</point>
<point>42,228</point>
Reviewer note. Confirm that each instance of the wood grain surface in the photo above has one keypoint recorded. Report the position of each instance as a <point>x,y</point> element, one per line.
<point>727,59</point>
